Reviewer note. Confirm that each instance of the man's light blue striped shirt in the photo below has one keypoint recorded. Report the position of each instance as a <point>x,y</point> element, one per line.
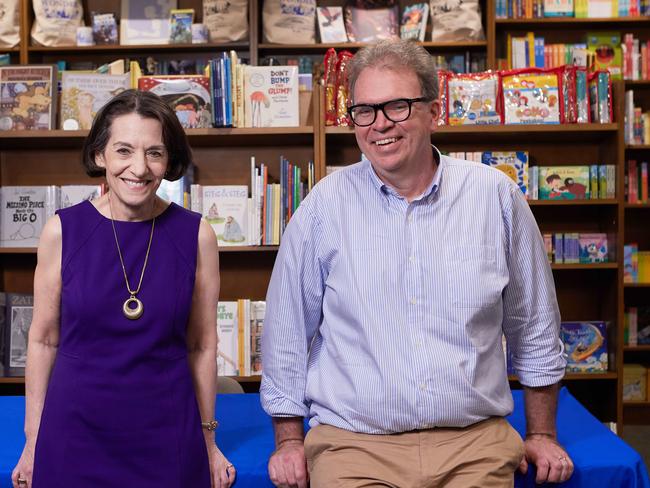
<point>387,316</point>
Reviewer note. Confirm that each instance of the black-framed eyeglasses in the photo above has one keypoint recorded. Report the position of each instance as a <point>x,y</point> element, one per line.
<point>398,110</point>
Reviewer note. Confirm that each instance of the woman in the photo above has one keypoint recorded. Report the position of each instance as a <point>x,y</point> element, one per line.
<point>121,368</point>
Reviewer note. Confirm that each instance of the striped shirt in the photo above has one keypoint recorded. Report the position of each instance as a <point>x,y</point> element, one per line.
<point>387,316</point>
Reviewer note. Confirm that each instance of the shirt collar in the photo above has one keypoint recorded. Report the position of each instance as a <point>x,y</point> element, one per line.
<point>428,193</point>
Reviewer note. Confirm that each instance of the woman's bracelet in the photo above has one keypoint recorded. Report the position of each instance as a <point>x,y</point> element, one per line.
<point>210,425</point>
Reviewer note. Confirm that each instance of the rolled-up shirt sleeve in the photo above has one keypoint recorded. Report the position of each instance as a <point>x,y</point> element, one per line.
<point>531,321</point>
<point>293,314</point>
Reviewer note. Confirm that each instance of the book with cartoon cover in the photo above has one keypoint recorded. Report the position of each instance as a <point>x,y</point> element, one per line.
<point>414,21</point>
<point>330,24</point>
<point>28,97</point>
<point>564,183</point>
<point>24,211</point>
<point>585,345</point>
<point>512,163</point>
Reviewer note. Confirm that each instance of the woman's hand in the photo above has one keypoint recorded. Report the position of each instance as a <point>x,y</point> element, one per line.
<point>21,477</point>
<point>222,472</point>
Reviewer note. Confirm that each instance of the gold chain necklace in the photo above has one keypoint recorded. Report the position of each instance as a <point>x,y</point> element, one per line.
<point>129,312</point>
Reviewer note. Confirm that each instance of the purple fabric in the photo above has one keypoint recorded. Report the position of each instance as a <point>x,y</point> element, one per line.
<point>120,408</point>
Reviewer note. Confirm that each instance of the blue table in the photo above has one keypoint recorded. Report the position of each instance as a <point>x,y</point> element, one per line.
<point>246,436</point>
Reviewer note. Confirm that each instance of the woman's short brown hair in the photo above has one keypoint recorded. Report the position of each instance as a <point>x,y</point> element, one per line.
<point>147,105</point>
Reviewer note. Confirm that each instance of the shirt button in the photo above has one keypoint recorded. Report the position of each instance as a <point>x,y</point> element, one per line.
<point>413,301</point>
<point>409,218</point>
<point>423,386</point>
<point>418,342</point>
<point>411,259</point>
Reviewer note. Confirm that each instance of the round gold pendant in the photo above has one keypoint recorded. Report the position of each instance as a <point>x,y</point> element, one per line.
<point>130,312</point>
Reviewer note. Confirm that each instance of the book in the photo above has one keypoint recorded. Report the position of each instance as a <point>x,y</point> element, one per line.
<point>564,183</point>
<point>635,378</point>
<point>228,334</point>
<point>20,309</point>
<point>104,28</point>
<point>512,163</point>
<point>23,213</point>
<point>28,97</point>
<point>225,207</point>
<point>181,26</point>
<point>606,46</point>
<point>188,95</point>
<point>414,21</point>
<point>83,94</point>
<point>330,24</point>
<point>145,22</point>
<point>74,194</point>
<point>3,333</point>
<point>271,96</point>
<point>631,263</point>
<point>558,8</point>
<point>585,345</point>
<point>258,309</point>
<point>593,248</point>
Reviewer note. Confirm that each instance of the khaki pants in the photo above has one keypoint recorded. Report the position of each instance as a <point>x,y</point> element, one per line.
<point>483,455</point>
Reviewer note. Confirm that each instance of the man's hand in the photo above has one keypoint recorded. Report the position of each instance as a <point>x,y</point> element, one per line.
<point>287,466</point>
<point>553,463</point>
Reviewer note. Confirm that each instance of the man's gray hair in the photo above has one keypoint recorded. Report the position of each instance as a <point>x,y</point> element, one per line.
<point>396,55</point>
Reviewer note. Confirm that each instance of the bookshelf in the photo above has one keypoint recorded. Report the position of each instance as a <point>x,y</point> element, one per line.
<point>222,156</point>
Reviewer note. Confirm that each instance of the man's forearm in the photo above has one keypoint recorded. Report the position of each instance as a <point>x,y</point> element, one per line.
<point>288,429</point>
<point>541,409</point>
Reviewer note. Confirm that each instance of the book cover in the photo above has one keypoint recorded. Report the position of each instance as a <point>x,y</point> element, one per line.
<point>225,207</point>
<point>414,21</point>
<point>20,309</point>
<point>228,334</point>
<point>24,211</point>
<point>145,22</point>
<point>258,309</point>
<point>512,163</point>
<point>606,47</point>
<point>564,183</point>
<point>531,98</point>
<point>83,94</point>
<point>630,263</point>
<point>188,95</point>
<point>586,346</point>
<point>271,96</point>
<point>558,8</point>
<point>28,97</point>
<point>371,24</point>
<point>330,24</point>
<point>181,26</point>
<point>104,28</point>
<point>175,191</point>
<point>593,248</point>
<point>74,194</point>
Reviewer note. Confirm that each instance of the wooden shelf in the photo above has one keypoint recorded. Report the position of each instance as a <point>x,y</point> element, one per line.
<point>144,49</point>
<point>18,380</point>
<point>223,131</point>
<point>644,348</point>
<point>506,129</point>
<point>645,404</point>
<point>637,83</point>
<point>559,266</point>
<point>551,203</point>
<point>563,22</point>
<point>637,147</point>
<point>18,250</point>
<point>637,205</point>
<point>321,48</point>
<point>636,285</point>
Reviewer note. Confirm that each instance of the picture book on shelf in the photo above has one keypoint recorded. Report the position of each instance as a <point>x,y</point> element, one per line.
<point>19,311</point>
<point>23,213</point>
<point>257,311</point>
<point>271,96</point>
<point>104,28</point>
<point>512,163</point>
<point>181,26</point>
<point>228,333</point>
<point>188,95</point>
<point>564,183</point>
<point>585,345</point>
<point>593,248</point>
<point>330,24</point>
<point>28,97</point>
<point>225,207</point>
<point>414,21</point>
<point>83,94</point>
<point>145,22</point>
<point>74,194</point>
<point>606,47</point>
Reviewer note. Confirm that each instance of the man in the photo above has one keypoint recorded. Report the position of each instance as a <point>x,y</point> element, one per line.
<point>393,286</point>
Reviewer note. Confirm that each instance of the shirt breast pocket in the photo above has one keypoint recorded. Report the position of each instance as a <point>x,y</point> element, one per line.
<point>474,278</point>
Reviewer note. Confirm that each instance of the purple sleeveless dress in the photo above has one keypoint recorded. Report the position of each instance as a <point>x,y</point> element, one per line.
<point>120,409</point>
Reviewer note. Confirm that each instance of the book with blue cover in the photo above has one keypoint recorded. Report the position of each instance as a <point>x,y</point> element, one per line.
<point>512,163</point>
<point>585,346</point>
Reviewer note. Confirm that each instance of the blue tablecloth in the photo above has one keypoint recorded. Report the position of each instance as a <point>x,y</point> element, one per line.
<point>245,435</point>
